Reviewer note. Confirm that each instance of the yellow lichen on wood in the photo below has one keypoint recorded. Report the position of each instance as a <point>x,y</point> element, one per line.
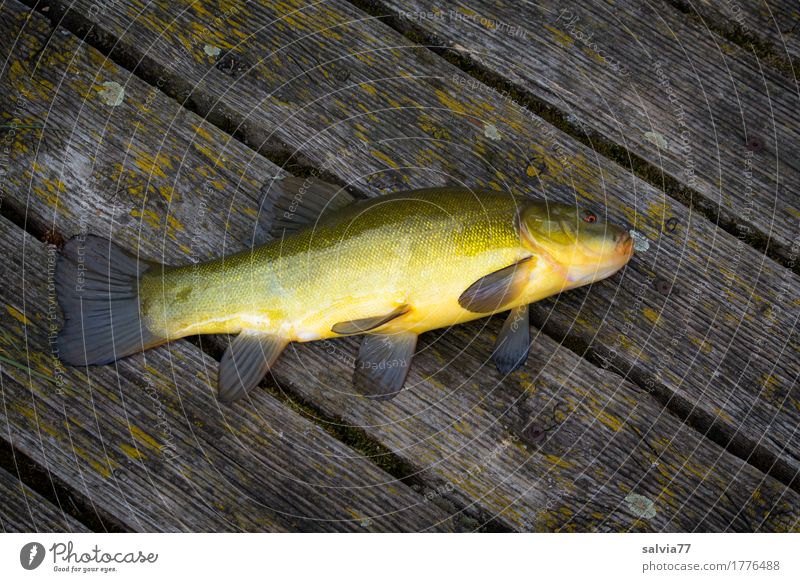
<point>103,468</point>
<point>144,438</point>
<point>559,461</point>
<point>771,386</point>
<point>153,165</point>
<point>650,314</point>
<point>386,159</point>
<point>560,36</point>
<point>148,216</point>
<point>132,452</point>
<point>705,346</point>
<point>18,315</point>
<point>33,89</point>
<point>368,87</point>
<point>450,102</point>
<point>609,420</point>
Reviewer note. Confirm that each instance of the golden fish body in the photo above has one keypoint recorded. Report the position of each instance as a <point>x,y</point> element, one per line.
<point>391,267</point>
<point>420,250</point>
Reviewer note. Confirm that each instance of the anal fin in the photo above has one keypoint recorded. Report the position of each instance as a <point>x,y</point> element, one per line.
<point>383,363</point>
<point>246,361</point>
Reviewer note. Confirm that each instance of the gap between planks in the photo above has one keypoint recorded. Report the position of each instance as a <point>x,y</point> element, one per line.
<point>24,510</point>
<point>764,49</point>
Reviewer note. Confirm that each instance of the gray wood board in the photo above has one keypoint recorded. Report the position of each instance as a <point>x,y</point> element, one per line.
<point>466,434</point>
<point>695,318</point>
<point>24,510</point>
<point>643,76</point>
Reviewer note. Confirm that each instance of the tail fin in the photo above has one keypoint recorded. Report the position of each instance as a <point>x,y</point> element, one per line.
<point>97,288</point>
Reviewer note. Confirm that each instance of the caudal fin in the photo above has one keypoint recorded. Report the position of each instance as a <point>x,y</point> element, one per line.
<point>97,288</point>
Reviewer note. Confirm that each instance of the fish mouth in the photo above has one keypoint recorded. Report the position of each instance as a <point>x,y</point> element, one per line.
<point>624,244</point>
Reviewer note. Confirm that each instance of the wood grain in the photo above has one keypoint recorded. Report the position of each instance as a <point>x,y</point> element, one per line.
<point>24,510</point>
<point>641,75</point>
<point>502,448</point>
<point>560,446</point>
<point>693,319</point>
<point>772,26</point>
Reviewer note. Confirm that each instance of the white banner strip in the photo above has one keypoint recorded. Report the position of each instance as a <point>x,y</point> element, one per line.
<point>388,557</point>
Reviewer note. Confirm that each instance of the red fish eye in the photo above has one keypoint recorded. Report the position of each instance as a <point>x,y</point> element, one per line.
<point>590,218</point>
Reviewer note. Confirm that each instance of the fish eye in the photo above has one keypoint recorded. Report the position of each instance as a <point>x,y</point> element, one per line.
<point>589,217</point>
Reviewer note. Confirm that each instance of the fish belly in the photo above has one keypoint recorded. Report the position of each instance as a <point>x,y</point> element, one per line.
<point>426,293</point>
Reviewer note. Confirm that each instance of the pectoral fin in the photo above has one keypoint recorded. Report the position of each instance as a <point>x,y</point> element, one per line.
<point>492,292</point>
<point>383,363</point>
<point>245,362</point>
<point>368,323</point>
<point>294,203</point>
<point>513,341</point>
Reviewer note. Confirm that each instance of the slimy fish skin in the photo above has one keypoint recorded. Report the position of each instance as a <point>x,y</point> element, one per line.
<point>389,268</point>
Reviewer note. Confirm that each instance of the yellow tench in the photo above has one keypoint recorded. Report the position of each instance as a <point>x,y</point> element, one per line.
<point>390,268</point>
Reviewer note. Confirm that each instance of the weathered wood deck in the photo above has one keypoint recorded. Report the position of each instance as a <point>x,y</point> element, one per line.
<point>663,399</point>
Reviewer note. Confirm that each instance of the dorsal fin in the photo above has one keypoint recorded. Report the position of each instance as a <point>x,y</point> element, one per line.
<point>294,203</point>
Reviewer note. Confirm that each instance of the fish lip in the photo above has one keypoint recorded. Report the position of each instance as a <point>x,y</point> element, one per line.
<point>625,246</point>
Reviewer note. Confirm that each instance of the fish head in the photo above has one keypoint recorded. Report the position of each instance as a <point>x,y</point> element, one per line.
<point>575,241</point>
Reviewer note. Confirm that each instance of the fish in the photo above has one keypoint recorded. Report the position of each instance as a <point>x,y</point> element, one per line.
<point>388,269</point>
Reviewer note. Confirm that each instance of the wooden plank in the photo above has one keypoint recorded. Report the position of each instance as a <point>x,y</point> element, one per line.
<point>699,109</point>
<point>24,510</point>
<point>770,27</point>
<point>463,437</point>
<point>693,319</point>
